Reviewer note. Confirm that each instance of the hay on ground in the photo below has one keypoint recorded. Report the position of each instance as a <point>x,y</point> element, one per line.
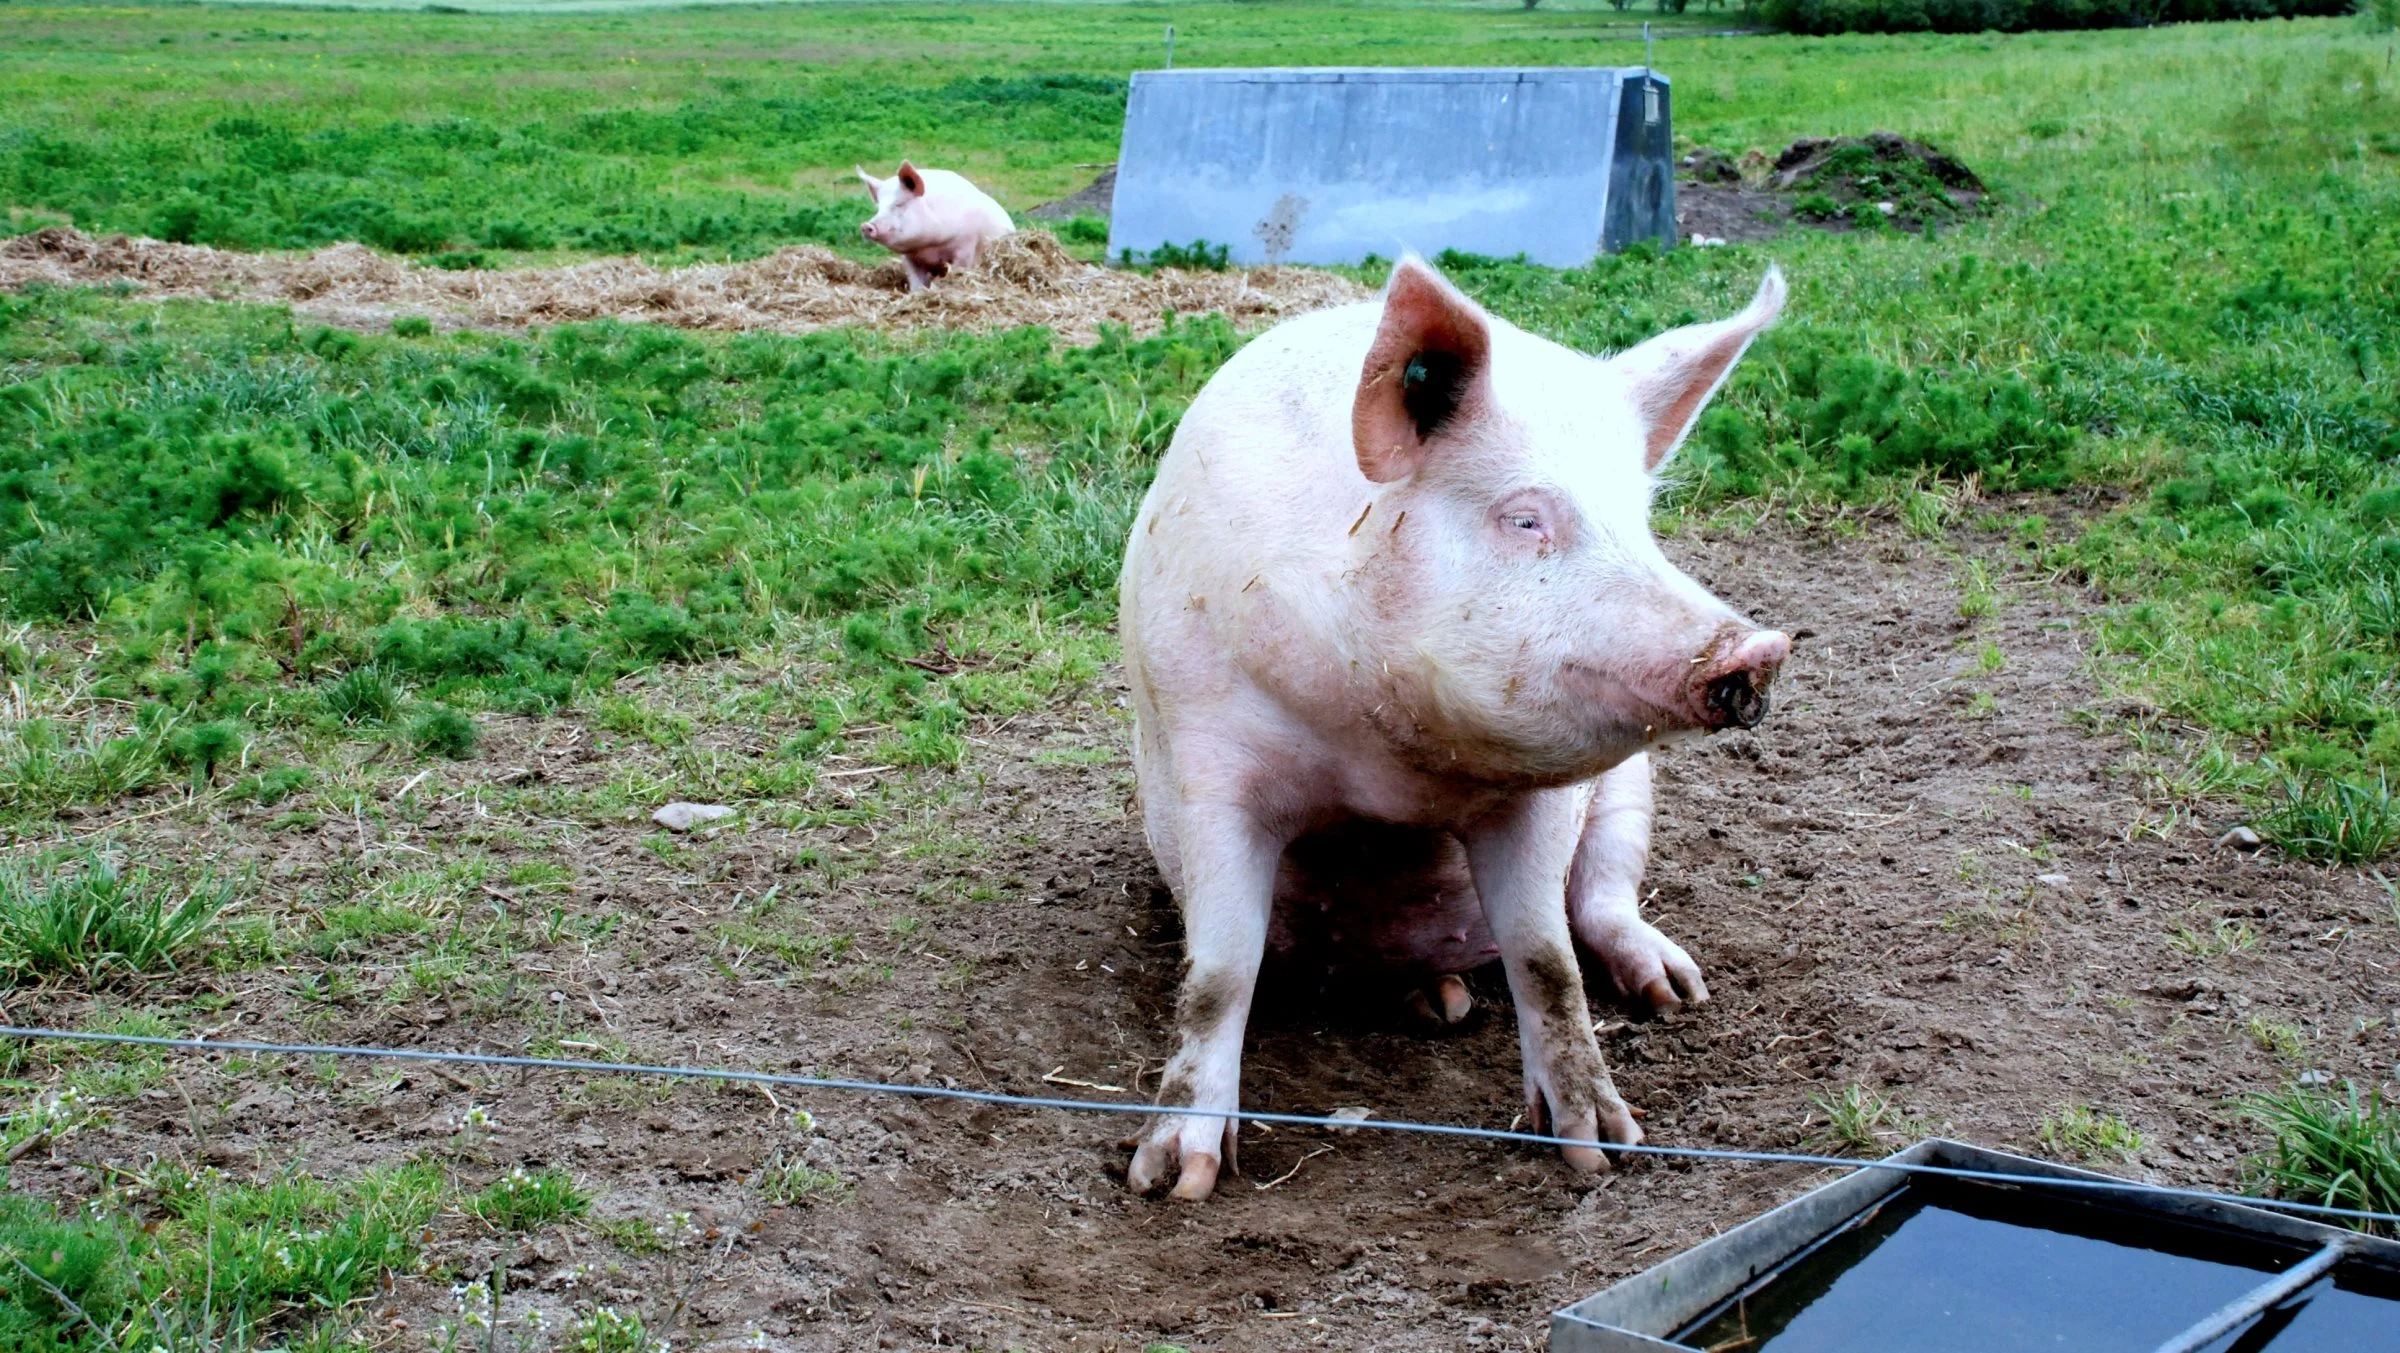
<point>1027,278</point>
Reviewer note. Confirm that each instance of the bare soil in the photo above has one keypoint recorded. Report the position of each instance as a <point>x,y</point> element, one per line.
<point>1962,903</point>
<point>1027,278</point>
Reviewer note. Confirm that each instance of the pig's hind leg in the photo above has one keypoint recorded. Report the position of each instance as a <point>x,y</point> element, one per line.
<point>1386,902</point>
<point>1604,894</point>
<point>1224,874</point>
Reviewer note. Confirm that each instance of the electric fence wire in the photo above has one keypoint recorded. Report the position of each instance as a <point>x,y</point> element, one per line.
<point>770,1078</point>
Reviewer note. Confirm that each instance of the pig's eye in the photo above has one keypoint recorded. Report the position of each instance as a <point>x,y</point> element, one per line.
<point>1522,521</point>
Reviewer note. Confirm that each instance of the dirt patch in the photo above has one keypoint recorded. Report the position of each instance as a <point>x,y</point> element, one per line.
<point>1097,198</point>
<point>1836,184</point>
<point>1924,874</point>
<point>1027,278</point>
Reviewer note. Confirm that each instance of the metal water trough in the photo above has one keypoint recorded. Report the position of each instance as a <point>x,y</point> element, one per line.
<point>1664,1309</point>
<point>1300,165</point>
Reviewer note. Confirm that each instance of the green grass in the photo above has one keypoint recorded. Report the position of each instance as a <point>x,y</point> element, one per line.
<point>1858,1119</point>
<point>185,1260</point>
<point>721,131</point>
<point>2084,1133</point>
<point>93,920</point>
<point>281,536</point>
<point>523,1200</point>
<point>2339,1149</point>
<point>608,1330</point>
<point>793,1183</point>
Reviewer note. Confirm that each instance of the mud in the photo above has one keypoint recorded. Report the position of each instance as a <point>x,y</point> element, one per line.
<point>1027,278</point>
<point>1920,875</point>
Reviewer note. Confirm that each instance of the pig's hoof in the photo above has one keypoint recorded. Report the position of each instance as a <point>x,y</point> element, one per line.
<point>1446,1002</point>
<point>1187,1148</point>
<point>1610,1121</point>
<point>1647,966</point>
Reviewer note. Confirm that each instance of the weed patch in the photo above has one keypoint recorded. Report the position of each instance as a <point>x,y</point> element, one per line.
<point>2084,1133</point>
<point>187,1259</point>
<point>521,1200</point>
<point>2339,1149</point>
<point>93,920</point>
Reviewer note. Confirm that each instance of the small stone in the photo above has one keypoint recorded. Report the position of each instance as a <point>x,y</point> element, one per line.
<point>2314,1078</point>
<point>2240,838</point>
<point>1887,208</point>
<point>682,817</point>
<point>1351,1114</point>
<point>2051,880</point>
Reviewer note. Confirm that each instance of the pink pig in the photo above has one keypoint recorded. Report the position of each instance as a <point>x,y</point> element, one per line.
<point>1400,641</point>
<point>933,219</point>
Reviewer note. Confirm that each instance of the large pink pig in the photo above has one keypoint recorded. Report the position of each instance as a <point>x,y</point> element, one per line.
<point>1392,611</point>
<point>933,219</point>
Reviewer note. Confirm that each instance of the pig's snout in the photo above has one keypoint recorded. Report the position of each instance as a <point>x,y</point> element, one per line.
<point>1734,693</point>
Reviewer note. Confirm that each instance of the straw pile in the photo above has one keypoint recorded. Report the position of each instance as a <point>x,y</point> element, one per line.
<point>1026,278</point>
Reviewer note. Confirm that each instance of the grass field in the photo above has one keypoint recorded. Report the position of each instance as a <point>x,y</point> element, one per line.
<point>248,562</point>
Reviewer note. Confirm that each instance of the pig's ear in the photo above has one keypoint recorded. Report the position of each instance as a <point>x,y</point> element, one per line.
<point>874,189</point>
<point>1428,369</point>
<point>1674,374</point>
<point>911,182</point>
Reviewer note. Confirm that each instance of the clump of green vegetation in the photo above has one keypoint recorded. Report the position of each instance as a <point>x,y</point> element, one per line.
<point>46,765</point>
<point>2334,821</point>
<point>2225,935</point>
<point>2282,1040</point>
<point>609,1330</point>
<point>444,732</point>
<point>2085,1133</point>
<point>1857,1119</point>
<point>793,1182</point>
<point>188,1260</point>
<point>88,918</point>
<point>522,1200</point>
<point>1198,256</point>
<point>361,695</point>
<point>2339,1149</point>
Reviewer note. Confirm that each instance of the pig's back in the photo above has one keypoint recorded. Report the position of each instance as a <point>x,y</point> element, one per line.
<point>1267,444</point>
<point>968,204</point>
<point>1237,557</point>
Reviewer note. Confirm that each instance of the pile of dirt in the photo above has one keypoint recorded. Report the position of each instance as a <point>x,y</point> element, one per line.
<point>1097,198</point>
<point>1831,183</point>
<point>1027,278</point>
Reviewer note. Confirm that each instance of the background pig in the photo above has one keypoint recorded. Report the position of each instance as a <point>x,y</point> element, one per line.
<point>933,219</point>
<point>1392,612</point>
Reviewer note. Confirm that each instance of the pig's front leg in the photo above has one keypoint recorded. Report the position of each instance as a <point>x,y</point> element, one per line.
<point>1604,894</point>
<point>1520,858</point>
<point>1228,882</point>
<point>919,275</point>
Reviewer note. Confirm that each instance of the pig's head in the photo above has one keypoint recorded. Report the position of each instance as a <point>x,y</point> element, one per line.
<point>901,221</point>
<point>1531,628</point>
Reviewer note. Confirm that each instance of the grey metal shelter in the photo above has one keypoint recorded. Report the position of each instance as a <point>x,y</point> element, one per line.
<point>1307,165</point>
